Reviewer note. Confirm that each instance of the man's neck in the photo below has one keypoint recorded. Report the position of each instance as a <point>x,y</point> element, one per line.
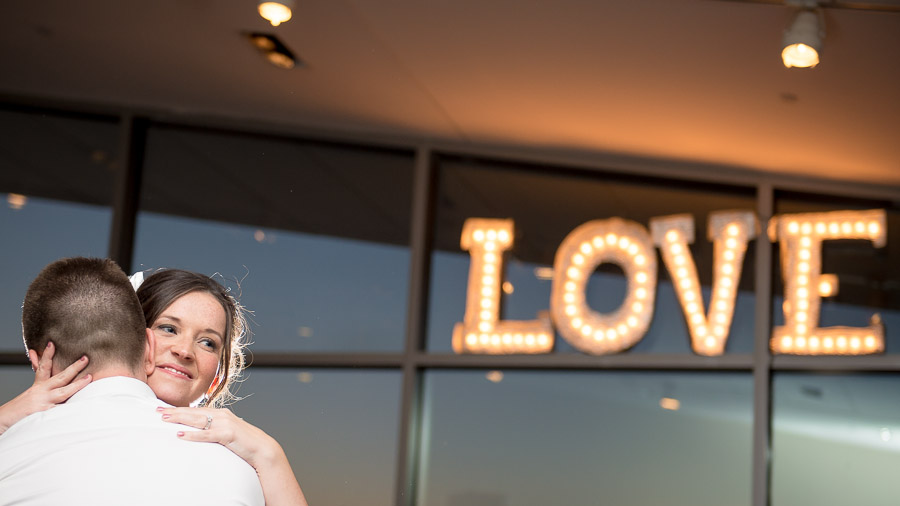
<point>108,372</point>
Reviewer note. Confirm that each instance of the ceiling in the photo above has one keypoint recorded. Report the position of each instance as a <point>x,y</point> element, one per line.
<point>684,81</point>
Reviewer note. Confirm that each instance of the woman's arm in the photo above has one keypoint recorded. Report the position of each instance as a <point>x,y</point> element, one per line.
<point>47,391</point>
<point>252,444</point>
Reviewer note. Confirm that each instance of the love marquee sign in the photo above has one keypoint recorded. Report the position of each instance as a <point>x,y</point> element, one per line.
<point>632,247</point>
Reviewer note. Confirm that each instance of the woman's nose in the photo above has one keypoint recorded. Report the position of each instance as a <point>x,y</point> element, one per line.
<point>183,348</point>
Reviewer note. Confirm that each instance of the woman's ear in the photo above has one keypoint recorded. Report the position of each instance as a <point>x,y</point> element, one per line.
<point>150,353</point>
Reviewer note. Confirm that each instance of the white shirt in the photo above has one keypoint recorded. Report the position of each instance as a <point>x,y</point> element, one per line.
<point>107,445</point>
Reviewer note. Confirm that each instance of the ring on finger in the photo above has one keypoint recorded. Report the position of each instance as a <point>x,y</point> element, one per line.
<point>208,422</point>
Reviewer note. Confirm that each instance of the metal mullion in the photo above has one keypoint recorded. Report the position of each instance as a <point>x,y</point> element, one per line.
<point>863,363</point>
<point>327,360</point>
<point>579,361</point>
<point>127,192</point>
<point>411,394</point>
<point>762,377</point>
<point>14,358</point>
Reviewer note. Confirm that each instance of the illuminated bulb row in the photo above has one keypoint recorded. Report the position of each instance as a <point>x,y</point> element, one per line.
<point>685,279</point>
<point>837,229</point>
<point>830,343</point>
<point>801,295</point>
<point>488,290</point>
<point>495,342</point>
<point>490,236</point>
<point>729,256</point>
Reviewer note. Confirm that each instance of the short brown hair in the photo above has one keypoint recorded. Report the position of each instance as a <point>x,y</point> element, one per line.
<point>86,306</point>
<point>162,288</point>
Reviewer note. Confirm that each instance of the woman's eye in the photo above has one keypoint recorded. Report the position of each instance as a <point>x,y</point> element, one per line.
<point>167,328</point>
<point>209,343</point>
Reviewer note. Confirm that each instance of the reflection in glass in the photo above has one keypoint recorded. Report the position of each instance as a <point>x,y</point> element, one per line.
<point>546,206</point>
<point>306,292</point>
<point>14,380</point>
<point>313,236</point>
<point>836,439</point>
<point>539,438</point>
<point>41,232</point>
<point>339,429</point>
<point>57,175</point>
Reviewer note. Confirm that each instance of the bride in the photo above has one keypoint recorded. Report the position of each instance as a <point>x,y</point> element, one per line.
<point>199,329</point>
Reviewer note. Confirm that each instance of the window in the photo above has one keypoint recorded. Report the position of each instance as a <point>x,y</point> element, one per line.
<point>313,237</point>
<point>538,438</point>
<point>836,439</point>
<point>337,427</point>
<point>57,176</point>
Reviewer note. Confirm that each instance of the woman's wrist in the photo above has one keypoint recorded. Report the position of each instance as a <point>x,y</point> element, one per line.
<point>267,455</point>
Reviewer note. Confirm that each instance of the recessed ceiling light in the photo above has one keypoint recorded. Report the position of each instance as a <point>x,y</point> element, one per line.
<point>273,50</point>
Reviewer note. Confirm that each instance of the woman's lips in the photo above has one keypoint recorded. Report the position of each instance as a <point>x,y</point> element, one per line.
<point>178,372</point>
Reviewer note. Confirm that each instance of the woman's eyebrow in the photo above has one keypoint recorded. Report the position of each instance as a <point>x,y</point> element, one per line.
<point>216,332</point>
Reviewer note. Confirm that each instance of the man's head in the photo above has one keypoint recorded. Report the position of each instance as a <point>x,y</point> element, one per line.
<point>86,306</point>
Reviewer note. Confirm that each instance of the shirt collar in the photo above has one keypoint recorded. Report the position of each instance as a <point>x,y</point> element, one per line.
<point>114,385</point>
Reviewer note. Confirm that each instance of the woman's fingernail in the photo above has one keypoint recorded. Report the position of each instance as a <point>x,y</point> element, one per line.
<point>166,417</point>
<point>83,358</point>
<point>49,344</point>
<point>160,408</point>
<point>179,434</point>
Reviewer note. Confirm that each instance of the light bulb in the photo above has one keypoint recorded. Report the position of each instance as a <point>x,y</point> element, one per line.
<point>275,12</point>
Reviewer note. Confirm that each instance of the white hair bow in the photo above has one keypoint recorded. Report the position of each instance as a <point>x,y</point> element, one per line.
<point>136,279</point>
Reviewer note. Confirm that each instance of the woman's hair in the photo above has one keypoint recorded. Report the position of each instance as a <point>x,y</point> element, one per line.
<point>162,288</point>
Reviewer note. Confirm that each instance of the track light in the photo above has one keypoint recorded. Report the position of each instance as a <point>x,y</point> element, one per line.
<point>803,40</point>
<point>275,11</point>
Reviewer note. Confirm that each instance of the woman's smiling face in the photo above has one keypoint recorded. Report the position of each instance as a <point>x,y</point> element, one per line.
<point>190,336</point>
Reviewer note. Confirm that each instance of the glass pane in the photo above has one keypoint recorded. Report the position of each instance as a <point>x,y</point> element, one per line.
<point>314,237</point>
<point>14,380</point>
<point>836,439</point>
<point>868,277</point>
<point>57,176</point>
<point>339,429</point>
<point>546,205</point>
<point>538,438</point>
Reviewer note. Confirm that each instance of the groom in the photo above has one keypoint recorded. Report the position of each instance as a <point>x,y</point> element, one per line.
<point>107,444</point>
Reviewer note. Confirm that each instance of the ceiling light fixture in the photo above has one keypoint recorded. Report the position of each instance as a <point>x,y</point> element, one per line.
<point>275,12</point>
<point>803,40</point>
<point>273,50</point>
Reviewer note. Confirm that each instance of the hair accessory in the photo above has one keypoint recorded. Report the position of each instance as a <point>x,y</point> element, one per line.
<point>208,422</point>
<point>136,279</point>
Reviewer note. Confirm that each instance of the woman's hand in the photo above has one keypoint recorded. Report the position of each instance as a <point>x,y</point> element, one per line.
<point>247,441</point>
<point>252,444</point>
<point>47,391</point>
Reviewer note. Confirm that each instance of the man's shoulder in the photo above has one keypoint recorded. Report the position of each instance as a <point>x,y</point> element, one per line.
<point>122,441</point>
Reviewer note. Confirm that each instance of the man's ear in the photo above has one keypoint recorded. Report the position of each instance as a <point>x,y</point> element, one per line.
<point>34,358</point>
<point>150,353</point>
